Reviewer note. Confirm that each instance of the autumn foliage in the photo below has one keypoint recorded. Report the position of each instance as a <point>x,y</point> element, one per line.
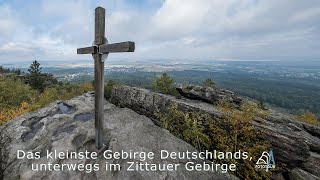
<point>11,113</point>
<point>233,132</point>
<point>17,97</point>
<point>308,117</point>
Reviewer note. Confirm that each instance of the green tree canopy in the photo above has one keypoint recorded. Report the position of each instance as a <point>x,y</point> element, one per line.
<point>35,78</point>
<point>163,84</point>
<point>210,83</point>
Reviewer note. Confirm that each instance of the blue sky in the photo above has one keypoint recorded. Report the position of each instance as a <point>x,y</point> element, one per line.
<point>170,29</point>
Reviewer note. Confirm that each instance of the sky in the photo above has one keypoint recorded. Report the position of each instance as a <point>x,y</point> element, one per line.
<point>52,30</point>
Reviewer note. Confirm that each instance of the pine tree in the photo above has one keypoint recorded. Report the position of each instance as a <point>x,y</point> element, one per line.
<point>35,78</point>
<point>163,84</point>
<point>210,83</point>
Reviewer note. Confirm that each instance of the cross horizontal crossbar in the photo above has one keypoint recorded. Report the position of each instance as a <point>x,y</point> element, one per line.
<point>88,50</point>
<point>117,47</point>
<point>108,48</point>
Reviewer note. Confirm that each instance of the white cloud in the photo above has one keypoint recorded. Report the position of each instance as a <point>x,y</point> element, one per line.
<point>178,18</point>
<point>255,29</point>
<point>307,14</point>
<point>7,22</point>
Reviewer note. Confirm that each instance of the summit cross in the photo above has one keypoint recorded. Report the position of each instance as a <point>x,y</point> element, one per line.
<point>100,50</point>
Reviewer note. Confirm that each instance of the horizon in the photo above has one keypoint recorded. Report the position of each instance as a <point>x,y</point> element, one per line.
<point>172,29</point>
<point>161,60</point>
<point>176,64</point>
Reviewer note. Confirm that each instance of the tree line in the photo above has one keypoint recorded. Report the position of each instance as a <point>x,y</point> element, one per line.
<point>8,70</point>
<point>22,92</point>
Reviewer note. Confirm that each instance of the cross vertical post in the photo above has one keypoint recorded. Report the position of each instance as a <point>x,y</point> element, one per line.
<point>99,75</point>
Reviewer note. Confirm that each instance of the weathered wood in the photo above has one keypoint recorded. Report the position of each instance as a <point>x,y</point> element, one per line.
<point>117,47</point>
<point>99,99</point>
<point>99,27</point>
<point>87,50</point>
<point>99,76</point>
<point>97,50</point>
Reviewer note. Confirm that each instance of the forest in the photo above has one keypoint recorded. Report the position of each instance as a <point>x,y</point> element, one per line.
<point>292,96</point>
<point>21,92</point>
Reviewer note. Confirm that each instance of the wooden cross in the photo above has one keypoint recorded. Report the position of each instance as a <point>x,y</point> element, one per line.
<point>99,50</point>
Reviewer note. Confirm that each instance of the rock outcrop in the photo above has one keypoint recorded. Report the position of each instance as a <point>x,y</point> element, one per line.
<point>69,126</point>
<point>208,94</point>
<point>295,144</point>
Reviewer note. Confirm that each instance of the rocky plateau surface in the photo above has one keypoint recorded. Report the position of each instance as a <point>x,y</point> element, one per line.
<point>69,126</point>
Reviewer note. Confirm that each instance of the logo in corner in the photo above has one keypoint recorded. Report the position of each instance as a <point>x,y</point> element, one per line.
<point>266,161</point>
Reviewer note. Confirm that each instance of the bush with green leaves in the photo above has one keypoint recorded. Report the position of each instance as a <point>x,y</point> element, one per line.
<point>108,88</point>
<point>308,117</point>
<point>210,83</point>
<point>231,133</point>
<point>13,92</point>
<point>165,85</point>
<point>17,98</point>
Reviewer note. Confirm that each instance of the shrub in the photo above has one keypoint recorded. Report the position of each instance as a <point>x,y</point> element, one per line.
<point>86,87</point>
<point>235,132</point>
<point>17,98</point>
<point>14,92</point>
<point>308,117</point>
<point>231,133</point>
<point>165,85</point>
<point>108,88</point>
<point>11,113</point>
<point>48,96</point>
<point>210,83</point>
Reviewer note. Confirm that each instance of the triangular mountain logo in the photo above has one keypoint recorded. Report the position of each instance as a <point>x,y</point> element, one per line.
<point>266,161</point>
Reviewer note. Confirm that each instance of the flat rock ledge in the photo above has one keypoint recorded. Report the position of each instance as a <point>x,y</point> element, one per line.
<point>295,144</point>
<point>208,94</point>
<point>69,126</point>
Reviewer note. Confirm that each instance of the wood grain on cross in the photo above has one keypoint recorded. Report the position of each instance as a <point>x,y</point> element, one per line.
<point>101,47</point>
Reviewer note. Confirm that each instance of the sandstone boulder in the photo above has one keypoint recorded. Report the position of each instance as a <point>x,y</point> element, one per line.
<point>208,94</point>
<point>69,126</point>
<point>299,174</point>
